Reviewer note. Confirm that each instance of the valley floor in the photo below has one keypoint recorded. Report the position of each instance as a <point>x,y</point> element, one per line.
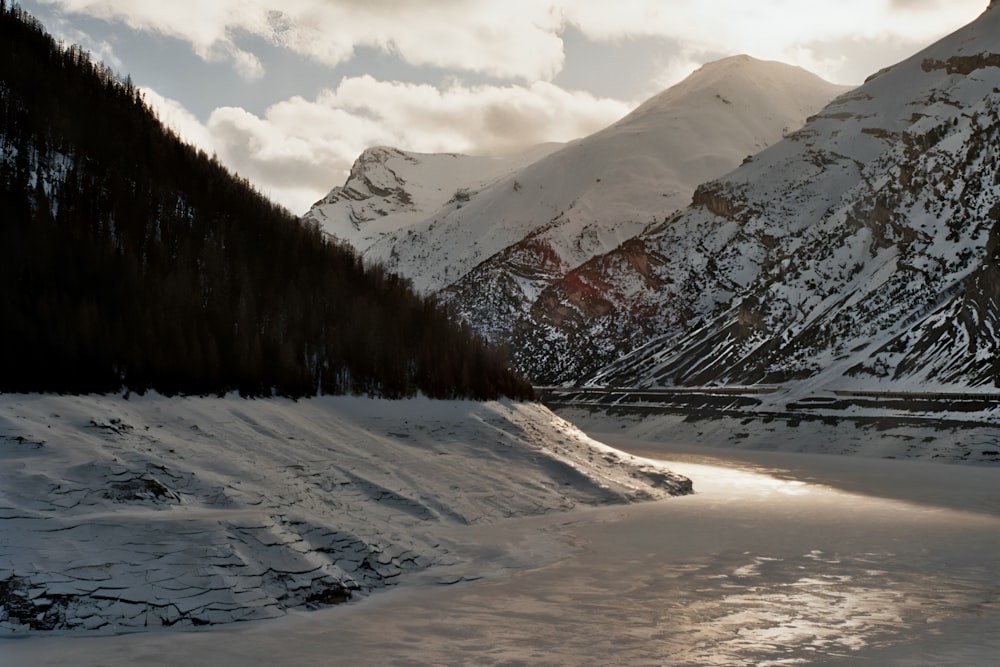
<point>947,427</point>
<point>777,559</point>
<point>120,515</point>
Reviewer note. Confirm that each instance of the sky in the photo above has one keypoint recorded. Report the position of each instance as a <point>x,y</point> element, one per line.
<point>289,93</point>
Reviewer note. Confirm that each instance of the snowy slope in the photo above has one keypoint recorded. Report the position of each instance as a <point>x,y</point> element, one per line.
<point>600,190</point>
<point>119,515</point>
<point>584,199</point>
<point>604,189</point>
<point>858,249</point>
<point>390,190</point>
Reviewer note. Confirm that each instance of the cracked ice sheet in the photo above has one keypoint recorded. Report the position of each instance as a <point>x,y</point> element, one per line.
<point>756,568</point>
<point>146,504</point>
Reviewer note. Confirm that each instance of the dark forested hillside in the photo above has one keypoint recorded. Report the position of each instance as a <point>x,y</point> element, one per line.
<point>132,260</point>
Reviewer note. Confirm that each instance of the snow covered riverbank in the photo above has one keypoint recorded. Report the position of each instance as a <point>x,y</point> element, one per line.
<point>119,515</point>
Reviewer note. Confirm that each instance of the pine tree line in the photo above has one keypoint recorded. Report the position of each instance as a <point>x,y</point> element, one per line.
<point>132,260</point>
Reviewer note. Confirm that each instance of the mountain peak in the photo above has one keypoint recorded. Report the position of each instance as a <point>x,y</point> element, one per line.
<point>741,82</point>
<point>859,251</point>
<point>738,61</point>
<point>743,65</point>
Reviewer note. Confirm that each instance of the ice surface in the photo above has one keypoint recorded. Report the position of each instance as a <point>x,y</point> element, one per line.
<point>776,560</point>
<point>119,515</point>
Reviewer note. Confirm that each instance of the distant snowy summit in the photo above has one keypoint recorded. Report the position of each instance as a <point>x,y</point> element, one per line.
<point>861,250</point>
<point>390,190</point>
<point>491,234</point>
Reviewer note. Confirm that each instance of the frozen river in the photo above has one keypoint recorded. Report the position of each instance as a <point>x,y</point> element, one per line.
<point>778,559</point>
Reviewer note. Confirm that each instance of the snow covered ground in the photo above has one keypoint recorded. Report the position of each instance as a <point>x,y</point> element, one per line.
<point>119,515</point>
<point>778,559</point>
<point>888,433</point>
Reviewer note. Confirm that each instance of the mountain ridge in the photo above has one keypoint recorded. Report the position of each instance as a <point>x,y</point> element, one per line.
<point>489,252</point>
<point>825,256</point>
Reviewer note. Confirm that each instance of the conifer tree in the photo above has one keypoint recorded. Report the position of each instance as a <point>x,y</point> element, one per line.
<point>131,260</point>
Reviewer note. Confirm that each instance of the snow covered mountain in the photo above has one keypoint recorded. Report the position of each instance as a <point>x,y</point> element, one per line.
<point>860,249</point>
<point>604,189</point>
<point>494,245</point>
<point>389,190</point>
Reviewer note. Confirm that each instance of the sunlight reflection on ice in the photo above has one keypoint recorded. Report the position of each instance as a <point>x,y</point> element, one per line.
<point>798,611</point>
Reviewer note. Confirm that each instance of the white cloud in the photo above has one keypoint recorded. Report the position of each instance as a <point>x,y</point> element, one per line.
<point>515,39</point>
<point>777,23</point>
<point>512,39</point>
<point>472,119</point>
<point>301,148</point>
<point>521,39</point>
<point>775,29</point>
<point>174,115</point>
<point>207,26</point>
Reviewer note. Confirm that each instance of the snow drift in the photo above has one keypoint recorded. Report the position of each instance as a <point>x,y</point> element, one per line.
<point>122,514</point>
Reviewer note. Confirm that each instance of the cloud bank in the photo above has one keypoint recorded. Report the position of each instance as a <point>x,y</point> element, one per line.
<point>517,39</point>
<point>298,148</point>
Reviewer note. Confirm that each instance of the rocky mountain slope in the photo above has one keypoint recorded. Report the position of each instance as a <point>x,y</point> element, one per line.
<point>608,187</point>
<point>491,247</point>
<point>861,249</point>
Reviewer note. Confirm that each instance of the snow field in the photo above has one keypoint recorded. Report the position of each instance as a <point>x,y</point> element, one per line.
<point>120,515</point>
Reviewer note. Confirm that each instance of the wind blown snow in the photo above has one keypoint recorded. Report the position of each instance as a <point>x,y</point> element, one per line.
<point>120,515</point>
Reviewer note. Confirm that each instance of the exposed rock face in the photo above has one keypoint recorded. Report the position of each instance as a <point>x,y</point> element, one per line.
<point>858,249</point>
<point>714,197</point>
<point>964,65</point>
<point>958,342</point>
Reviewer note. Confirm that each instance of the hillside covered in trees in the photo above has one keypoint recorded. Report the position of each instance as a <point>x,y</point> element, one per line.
<point>133,261</point>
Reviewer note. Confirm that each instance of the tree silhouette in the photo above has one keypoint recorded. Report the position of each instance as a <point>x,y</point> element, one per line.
<point>133,260</point>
